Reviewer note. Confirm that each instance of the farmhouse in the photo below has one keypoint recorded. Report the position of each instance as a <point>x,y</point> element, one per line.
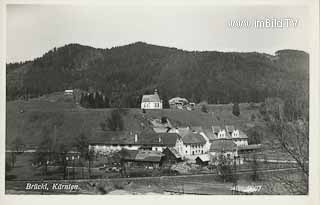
<point>108,141</point>
<point>151,101</point>
<point>171,155</point>
<point>148,158</point>
<point>178,102</point>
<point>229,133</point>
<point>203,160</point>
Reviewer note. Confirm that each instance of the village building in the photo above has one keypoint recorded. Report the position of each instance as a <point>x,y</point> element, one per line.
<point>191,143</point>
<point>203,160</point>
<point>178,102</point>
<point>151,101</point>
<point>104,142</point>
<point>171,155</point>
<point>238,137</point>
<point>142,158</point>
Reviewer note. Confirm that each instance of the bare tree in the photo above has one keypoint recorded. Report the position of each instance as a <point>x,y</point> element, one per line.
<point>290,128</point>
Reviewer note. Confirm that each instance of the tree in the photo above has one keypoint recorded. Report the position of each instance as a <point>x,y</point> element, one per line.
<point>236,109</point>
<point>115,121</point>
<point>164,119</point>
<point>254,167</point>
<point>255,135</point>
<point>82,144</point>
<point>90,157</point>
<point>224,168</point>
<point>204,108</point>
<point>292,137</point>
<point>103,126</point>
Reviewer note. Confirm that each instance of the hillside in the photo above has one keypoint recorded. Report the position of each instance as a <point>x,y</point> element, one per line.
<point>138,68</point>
<point>57,115</point>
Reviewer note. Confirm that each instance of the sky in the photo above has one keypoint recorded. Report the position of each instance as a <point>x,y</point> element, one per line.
<point>33,30</point>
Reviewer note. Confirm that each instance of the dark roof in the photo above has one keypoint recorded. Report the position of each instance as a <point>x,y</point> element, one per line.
<point>142,155</point>
<point>211,136</point>
<point>203,158</point>
<point>197,129</point>
<point>174,152</point>
<point>128,138</point>
<point>193,138</point>
<point>230,128</point>
<point>220,145</point>
<point>216,129</point>
<point>160,139</point>
<point>250,147</point>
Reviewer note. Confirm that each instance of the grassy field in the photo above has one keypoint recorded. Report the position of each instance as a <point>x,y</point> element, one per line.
<point>29,120</point>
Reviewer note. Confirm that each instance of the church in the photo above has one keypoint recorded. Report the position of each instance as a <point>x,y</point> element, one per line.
<point>151,101</point>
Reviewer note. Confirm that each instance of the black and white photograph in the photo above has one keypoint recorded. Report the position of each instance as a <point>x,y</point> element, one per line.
<point>158,99</point>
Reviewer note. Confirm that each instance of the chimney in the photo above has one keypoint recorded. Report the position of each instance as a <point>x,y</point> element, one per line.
<point>135,138</point>
<point>155,91</point>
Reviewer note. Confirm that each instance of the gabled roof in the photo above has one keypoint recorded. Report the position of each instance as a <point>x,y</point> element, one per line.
<point>204,158</point>
<point>230,128</point>
<point>142,155</point>
<point>209,133</point>
<point>151,98</point>
<point>193,138</point>
<point>222,145</point>
<point>159,139</point>
<point>178,99</point>
<point>175,153</point>
<point>128,138</point>
<point>250,147</point>
<point>216,129</point>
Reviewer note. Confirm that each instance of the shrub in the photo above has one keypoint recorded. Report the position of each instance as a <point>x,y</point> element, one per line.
<point>236,109</point>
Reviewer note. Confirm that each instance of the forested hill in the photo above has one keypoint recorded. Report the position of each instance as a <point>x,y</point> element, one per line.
<point>138,68</point>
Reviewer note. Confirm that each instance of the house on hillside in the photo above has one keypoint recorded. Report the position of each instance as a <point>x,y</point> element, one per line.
<point>178,102</point>
<point>151,101</point>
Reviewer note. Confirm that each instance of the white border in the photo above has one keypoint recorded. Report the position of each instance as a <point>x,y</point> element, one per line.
<point>312,198</point>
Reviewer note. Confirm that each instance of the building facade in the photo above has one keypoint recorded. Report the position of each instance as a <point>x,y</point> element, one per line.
<point>151,101</point>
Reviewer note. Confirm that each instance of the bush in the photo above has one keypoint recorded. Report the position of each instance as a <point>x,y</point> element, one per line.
<point>115,122</point>
<point>204,108</point>
<point>236,109</point>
